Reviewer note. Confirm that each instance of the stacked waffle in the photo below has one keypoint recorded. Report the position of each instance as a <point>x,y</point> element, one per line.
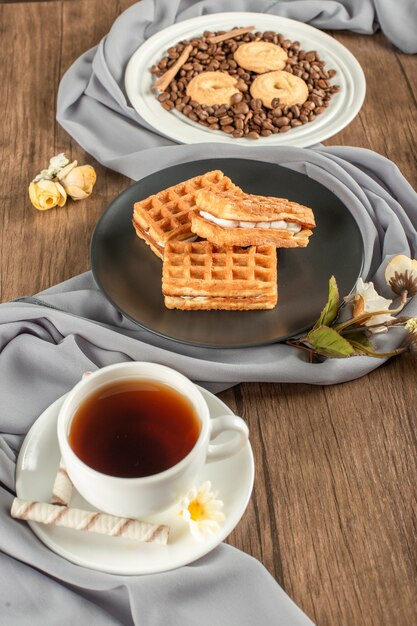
<point>218,244</point>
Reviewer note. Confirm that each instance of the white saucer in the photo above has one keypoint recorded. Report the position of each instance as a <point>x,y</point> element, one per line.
<point>343,106</point>
<point>35,473</point>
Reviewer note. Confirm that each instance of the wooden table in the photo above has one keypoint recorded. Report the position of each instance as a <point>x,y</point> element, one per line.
<point>333,516</point>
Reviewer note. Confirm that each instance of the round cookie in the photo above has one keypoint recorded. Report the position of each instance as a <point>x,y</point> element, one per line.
<point>212,88</point>
<point>288,88</point>
<point>260,57</point>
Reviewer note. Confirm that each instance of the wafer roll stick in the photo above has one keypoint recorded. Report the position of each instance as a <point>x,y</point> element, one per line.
<point>63,487</point>
<point>164,80</point>
<point>231,33</point>
<point>91,521</point>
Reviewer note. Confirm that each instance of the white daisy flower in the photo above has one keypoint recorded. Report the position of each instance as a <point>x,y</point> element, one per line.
<point>202,511</point>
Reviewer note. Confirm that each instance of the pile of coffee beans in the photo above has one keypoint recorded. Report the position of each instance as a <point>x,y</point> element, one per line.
<point>245,116</point>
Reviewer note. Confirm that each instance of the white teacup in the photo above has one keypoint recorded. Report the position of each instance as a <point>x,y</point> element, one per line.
<point>134,497</point>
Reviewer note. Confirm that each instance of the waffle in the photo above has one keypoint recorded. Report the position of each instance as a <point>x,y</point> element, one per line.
<point>227,218</point>
<point>165,215</point>
<point>203,276</point>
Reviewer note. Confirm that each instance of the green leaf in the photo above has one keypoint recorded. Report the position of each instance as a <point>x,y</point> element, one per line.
<point>329,313</point>
<point>328,342</point>
<point>361,343</point>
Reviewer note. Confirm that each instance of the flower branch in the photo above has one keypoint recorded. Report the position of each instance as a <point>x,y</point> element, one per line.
<point>370,313</point>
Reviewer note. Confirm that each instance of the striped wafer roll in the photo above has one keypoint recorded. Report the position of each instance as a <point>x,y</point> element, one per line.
<point>91,521</point>
<point>63,487</point>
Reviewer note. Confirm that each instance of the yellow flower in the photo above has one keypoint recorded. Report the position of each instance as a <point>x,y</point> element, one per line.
<point>411,324</point>
<point>46,194</point>
<point>401,276</point>
<point>202,511</point>
<point>77,181</point>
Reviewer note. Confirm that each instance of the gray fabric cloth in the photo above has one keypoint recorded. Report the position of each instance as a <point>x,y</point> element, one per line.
<point>47,342</point>
<point>92,105</point>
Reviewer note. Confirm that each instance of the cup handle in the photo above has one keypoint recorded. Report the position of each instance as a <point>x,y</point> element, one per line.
<point>219,451</point>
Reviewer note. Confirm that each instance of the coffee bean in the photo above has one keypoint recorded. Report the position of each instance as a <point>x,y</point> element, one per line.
<point>281,121</point>
<point>245,116</point>
<point>275,103</point>
<point>309,105</point>
<point>241,107</point>
<point>220,112</point>
<point>237,97</point>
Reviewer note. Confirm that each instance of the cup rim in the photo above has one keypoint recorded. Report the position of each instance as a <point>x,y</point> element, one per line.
<point>63,418</point>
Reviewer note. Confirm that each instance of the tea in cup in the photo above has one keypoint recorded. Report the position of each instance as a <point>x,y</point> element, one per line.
<point>134,436</point>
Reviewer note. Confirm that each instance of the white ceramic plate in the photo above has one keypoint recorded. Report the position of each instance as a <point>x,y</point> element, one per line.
<point>343,107</point>
<point>35,473</point>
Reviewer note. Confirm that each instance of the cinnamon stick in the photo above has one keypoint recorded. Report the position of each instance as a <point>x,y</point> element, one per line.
<point>231,33</point>
<point>164,80</point>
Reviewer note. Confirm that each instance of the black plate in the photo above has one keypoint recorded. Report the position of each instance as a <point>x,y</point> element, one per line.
<point>129,274</point>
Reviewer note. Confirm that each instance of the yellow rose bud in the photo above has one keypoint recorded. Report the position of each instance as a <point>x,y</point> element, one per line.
<point>46,194</point>
<point>78,181</point>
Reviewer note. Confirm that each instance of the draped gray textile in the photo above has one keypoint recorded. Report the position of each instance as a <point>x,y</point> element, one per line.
<point>92,105</point>
<point>47,342</point>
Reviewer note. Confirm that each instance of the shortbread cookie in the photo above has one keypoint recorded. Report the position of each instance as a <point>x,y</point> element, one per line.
<point>165,215</point>
<point>227,218</point>
<point>212,88</point>
<point>202,276</point>
<point>290,89</point>
<point>260,56</point>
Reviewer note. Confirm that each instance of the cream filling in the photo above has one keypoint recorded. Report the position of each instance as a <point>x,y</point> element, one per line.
<point>274,225</point>
<point>203,298</point>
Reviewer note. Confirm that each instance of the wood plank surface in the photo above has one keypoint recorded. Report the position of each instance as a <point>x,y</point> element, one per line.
<point>333,514</point>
